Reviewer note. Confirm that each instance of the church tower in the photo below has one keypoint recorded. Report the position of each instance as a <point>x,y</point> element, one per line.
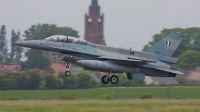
<point>94,23</point>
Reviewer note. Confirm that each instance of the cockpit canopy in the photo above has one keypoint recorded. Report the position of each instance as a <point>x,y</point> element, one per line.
<point>67,39</point>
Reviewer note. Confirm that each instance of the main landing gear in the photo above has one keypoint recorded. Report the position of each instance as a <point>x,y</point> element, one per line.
<point>68,65</point>
<point>105,79</point>
<point>113,79</point>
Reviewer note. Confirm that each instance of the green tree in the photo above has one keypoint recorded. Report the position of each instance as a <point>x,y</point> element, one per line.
<point>51,81</point>
<point>195,32</point>
<point>3,47</point>
<point>16,50</point>
<point>12,85</point>
<point>23,80</point>
<point>36,59</point>
<point>3,82</point>
<point>85,80</point>
<point>35,79</point>
<point>189,60</point>
<point>42,83</point>
<point>68,82</point>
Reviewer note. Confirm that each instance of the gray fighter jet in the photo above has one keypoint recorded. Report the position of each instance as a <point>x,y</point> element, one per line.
<point>153,62</point>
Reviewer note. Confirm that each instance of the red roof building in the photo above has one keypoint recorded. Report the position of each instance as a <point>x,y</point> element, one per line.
<point>55,67</point>
<point>10,68</point>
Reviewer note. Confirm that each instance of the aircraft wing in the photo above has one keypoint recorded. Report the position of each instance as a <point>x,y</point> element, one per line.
<point>128,59</point>
<point>140,61</point>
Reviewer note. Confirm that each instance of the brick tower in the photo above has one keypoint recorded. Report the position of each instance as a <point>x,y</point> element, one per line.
<point>94,23</point>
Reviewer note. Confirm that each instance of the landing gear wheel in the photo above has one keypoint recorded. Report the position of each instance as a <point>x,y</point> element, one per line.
<point>105,79</point>
<point>113,79</point>
<point>67,73</point>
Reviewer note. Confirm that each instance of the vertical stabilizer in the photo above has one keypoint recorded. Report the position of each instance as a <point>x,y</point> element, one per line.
<point>167,45</point>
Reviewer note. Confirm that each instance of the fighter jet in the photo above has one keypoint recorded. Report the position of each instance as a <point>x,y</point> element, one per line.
<point>155,61</point>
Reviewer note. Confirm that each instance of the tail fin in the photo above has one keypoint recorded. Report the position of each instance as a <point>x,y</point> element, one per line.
<point>167,45</point>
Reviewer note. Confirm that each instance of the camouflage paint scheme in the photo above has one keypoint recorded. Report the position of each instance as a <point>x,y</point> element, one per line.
<point>136,64</point>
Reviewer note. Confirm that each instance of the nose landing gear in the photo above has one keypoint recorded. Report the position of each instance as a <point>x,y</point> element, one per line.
<point>113,79</point>
<point>67,73</point>
<point>68,65</point>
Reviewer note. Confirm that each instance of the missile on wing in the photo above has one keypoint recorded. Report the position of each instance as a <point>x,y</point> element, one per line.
<point>106,66</point>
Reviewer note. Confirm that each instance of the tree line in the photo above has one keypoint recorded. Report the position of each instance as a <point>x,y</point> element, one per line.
<point>34,80</point>
<point>14,55</point>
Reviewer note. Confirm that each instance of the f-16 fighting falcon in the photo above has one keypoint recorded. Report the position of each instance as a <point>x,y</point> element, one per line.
<point>153,62</point>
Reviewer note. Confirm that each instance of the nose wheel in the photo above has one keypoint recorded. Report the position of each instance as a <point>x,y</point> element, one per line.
<point>68,73</point>
<point>113,79</point>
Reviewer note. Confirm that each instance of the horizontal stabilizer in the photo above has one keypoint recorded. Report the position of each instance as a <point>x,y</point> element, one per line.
<point>170,70</point>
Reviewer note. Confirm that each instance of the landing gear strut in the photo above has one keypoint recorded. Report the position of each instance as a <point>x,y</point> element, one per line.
<point>113,79</point>
<point>68,65</point>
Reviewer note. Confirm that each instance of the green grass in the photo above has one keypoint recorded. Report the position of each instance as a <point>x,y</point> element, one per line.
<point>152,105</point>
<point>120,93</point>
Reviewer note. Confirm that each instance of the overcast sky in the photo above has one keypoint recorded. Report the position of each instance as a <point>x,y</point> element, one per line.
<point>128,23</point>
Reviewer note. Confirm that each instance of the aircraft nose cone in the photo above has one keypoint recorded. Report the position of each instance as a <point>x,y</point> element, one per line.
<point>30,43</point>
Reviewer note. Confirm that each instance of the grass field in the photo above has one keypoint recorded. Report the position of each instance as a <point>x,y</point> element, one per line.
<point>120,93</point>
<point>136,105</point>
